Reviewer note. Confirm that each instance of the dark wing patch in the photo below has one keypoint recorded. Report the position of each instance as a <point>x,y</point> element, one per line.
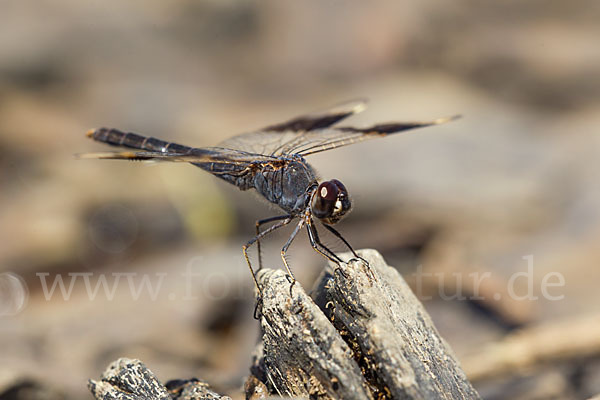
<point>273,139</point>
<point>320,120</point>
<point>326,139</point>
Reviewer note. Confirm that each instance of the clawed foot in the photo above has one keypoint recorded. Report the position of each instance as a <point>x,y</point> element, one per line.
<point>341,271</point>
<point>367,266</point>
<point>292,282</point>
<point>258,308</point>
<point>365,263</point>
<point>357,257</point>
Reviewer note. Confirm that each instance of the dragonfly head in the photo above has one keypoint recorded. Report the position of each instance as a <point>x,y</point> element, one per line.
<point>330,202</point>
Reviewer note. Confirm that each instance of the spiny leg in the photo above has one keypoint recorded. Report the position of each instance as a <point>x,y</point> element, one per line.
<point>339,236</point>
<point>315,241</point>
<point>258,224</point>
<point>256,238</point>
<point>284,250</point>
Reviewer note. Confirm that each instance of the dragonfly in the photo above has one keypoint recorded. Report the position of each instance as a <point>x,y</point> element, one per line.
<point>271,161</point>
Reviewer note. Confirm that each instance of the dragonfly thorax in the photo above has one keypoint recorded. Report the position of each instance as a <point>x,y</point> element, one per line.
<point>330,201</point>
<point>286,185</point>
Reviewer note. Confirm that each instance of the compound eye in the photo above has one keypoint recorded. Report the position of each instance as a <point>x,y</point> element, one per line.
<point>328,191</point>
<point>330,202</point>
<point>339,184</point>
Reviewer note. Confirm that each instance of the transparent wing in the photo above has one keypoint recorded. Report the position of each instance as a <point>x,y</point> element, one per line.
<point>195,155</point>
<point>213,159</point>
<point>331,138</point>
<point>274,140</point>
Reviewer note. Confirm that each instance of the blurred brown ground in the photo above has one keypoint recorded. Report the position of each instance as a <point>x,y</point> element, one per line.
<point>516,176</point>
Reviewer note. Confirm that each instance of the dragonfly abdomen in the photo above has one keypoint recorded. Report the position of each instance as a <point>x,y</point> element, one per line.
<point>131,140</point>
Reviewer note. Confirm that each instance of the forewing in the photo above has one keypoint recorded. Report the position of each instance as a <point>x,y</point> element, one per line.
<point>331,138</point>
<point>275,139</point>
<point>137,156</point>
<point>215,159</point>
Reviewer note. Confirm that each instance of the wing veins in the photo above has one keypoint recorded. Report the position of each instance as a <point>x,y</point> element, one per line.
<point>349,135</point>
<point>276,139</point>
<point>196,155</point>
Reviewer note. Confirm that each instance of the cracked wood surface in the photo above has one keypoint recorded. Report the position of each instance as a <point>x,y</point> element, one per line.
<point>364,336</point>
<point>130,379</point>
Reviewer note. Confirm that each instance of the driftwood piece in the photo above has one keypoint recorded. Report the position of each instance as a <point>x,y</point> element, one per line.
<point>368,337</point>
<point>127,379</point>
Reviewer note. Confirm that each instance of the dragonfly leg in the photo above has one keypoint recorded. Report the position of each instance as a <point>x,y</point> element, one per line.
<point>323,250</point>
<point>258,224</point>
<point>284,250</point>
<point>319,247</point>
<point>251,242</point>
<point>339,236</point>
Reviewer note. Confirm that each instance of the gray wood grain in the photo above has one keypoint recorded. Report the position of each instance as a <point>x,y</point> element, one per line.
<point>362,335</point>
<point>302,353</point>
<point>365,336</point>
<point>130,379</point>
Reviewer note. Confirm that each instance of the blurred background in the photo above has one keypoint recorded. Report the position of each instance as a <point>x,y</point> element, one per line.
<point>512,183</point>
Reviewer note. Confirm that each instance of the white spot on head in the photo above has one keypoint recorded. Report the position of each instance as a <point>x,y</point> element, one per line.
<point>338,207</point>
<point>323,191</point>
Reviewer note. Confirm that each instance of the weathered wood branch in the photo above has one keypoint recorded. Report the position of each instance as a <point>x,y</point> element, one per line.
<point>368,337</point>
<point>303,354</point>
<point>364,336</point>
<point>127,379</point>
